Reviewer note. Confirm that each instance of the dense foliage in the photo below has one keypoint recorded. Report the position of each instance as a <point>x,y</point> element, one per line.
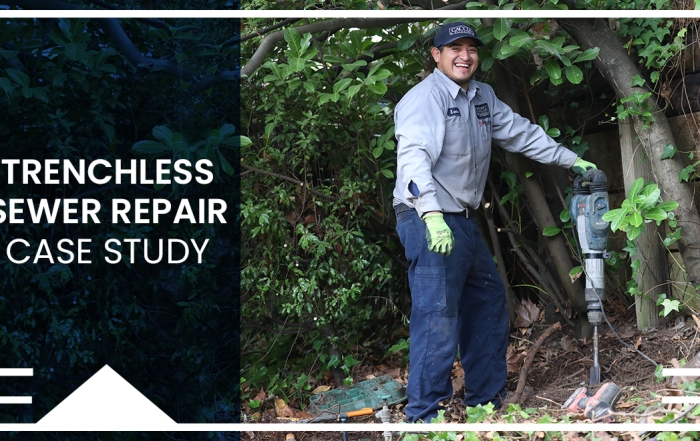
<point>321,261</point>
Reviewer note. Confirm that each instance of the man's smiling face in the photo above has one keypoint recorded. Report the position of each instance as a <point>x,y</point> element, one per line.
<point>458,60</point>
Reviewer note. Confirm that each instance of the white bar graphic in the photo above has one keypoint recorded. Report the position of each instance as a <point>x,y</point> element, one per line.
<point>680,400</point>
<point>15,400</point>
<point>18,372</point>
<point>680,372</point>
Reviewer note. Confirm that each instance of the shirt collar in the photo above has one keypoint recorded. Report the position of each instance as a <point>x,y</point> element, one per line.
<point>454,88</point>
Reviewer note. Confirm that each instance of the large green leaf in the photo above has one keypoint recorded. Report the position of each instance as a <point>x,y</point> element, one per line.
<point>635,188</point>
<point>636,219</point>
<point>407,42</point>
<point>501,27</point>
<point>75,51</point>
<point>668,206</point>
<point>573,74</point>
<point>553,70</point>
<point>354,66</point>
<point>634,232</point>
<point>656,214</point>
<point>352,90</point>
<point>548,47</point>
<point>296,64</point>
<point>378,88</point>
<point>6,85</point>
<point>342,85</point>
<point>616,218</point>
<point>225,165</point>
<point>503,50</point>
<point>163,133</point>
<point>588,54</point>
<point>551,231</point>
<point>519,38</point>
<point>293,39</point>
<point>244,141</point>
<point>18,76</point>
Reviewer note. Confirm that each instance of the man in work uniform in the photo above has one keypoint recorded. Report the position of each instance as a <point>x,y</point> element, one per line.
<point>445,126</point>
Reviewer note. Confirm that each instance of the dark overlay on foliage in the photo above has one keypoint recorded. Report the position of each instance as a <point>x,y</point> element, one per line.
<point>155,299</point>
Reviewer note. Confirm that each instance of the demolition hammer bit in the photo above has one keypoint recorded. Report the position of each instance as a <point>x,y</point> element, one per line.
<point>595,369</point>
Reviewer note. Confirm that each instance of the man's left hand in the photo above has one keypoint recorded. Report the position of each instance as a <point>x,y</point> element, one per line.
<point>581,167</point>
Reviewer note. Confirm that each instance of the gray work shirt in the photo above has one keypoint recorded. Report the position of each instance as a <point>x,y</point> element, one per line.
<point>444,138</point>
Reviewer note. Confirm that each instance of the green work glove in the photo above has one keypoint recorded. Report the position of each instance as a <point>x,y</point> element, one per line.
<point>438,234</point>
<point>581,167</point>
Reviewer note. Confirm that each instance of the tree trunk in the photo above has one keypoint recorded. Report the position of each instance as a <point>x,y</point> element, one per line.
<point>338,374</point>
<point>618,69</point>
<point>653,274</point>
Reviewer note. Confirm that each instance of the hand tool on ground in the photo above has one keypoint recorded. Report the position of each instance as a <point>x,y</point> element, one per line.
<point>596,407</point>
<point>324,418</point>
<point>385,416</point>
<point>588,205</point>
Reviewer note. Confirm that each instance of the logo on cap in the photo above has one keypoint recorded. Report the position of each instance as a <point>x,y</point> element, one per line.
<point>461,29</point>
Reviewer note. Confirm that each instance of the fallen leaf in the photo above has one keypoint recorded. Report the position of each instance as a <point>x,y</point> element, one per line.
<point>302,415</point>
<point>393,373</point>
<point>526,313</point>
<point>568,343</point>
<point>514,359</point>
<point>639,342</point>
<point>261,395</point>
<point>282,410</point>
<point>320,389</point>
<point>457,384</point>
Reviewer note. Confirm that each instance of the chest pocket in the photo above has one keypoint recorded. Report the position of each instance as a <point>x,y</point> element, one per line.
<point>483,118</point>
<point>457,140</point>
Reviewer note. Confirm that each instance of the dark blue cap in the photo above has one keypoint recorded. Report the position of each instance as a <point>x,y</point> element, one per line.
<point>454,31</point>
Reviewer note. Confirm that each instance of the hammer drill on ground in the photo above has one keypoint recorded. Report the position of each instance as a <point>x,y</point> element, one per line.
<point>595,407</point>
<point>588,205</point>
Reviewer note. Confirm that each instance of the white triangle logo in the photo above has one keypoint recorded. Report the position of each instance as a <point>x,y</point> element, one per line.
<point>106,401</point>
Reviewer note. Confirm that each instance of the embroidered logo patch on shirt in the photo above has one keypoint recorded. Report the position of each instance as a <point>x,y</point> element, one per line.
<point>453,111</point>
<point>482,111</point>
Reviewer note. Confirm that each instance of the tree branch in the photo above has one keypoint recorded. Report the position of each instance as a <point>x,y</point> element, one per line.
<point>529,359</point>
<point>428,5</point>
<point>268,43</point>
<point>288,179</point>
<point>150,21</point>
<point>124,45</point>
<point>261,32</point>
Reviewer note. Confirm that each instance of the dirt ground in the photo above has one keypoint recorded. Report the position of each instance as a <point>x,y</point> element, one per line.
<point>561,365</point>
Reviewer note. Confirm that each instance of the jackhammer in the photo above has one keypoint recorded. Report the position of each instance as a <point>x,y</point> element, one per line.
<point>588,205</point>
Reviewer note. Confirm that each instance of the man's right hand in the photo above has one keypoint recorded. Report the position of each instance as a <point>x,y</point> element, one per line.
<point>438,234</point>
<point>581,166</point>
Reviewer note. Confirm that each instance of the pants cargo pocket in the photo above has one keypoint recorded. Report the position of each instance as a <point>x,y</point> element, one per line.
<point>429,289</point>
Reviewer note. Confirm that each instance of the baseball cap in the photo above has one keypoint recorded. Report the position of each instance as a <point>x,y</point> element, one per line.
<point>454,31</point>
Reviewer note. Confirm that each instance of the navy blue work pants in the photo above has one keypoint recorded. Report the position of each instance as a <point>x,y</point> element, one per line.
<point>457,301</point>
